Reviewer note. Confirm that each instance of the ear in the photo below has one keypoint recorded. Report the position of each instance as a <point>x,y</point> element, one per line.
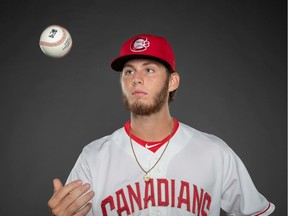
<point>174,81</point>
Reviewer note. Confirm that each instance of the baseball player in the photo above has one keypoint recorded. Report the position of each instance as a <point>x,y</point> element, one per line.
<point>154,164</point>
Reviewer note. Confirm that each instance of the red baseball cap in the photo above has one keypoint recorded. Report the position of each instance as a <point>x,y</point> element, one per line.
<point>145,46</point>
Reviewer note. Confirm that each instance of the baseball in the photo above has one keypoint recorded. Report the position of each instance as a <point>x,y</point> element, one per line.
<point>55,41</point>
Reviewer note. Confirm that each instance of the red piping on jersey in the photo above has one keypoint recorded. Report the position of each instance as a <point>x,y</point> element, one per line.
<point>143,142</point>
<point>263,211</point>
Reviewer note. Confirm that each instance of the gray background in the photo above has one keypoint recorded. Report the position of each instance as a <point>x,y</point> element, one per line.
<point>231,56</point>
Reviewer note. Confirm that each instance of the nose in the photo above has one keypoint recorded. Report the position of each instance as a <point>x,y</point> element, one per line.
<point>137,79</point>
<point>135,82</point>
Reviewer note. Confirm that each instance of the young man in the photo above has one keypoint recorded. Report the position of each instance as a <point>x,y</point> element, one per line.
<point>156,165</point>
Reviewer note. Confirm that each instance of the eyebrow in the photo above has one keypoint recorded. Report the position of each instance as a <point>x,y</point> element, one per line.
<point>148,62</point>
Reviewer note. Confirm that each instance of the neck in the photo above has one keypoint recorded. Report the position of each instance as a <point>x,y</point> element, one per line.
<point>153,127</point>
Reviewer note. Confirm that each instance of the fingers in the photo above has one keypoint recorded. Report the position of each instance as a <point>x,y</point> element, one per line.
<point>84,211</point>
<point>60,192</point>
<point>80,206</point>
<point>57,185</point>
<point>71,206</point>
<point>68,199</point>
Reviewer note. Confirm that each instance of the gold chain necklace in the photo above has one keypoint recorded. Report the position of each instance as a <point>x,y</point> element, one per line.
<point>146,176</point>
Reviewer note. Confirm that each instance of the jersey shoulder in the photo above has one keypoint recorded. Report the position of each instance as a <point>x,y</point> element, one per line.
<point>104,143</point>
<point>204,140</point>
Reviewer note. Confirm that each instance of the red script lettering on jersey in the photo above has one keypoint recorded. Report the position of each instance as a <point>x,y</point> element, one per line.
<point>130,199</point>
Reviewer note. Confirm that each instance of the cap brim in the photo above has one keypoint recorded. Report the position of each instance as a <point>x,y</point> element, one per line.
<point>118,63</point>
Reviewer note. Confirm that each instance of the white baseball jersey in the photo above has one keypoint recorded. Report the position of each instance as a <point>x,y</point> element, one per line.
<point>197,175</point>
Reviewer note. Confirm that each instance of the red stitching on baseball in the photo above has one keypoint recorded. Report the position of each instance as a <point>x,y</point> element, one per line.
<point>57,43</point>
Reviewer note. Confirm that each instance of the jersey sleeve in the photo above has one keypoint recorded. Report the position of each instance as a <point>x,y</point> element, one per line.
<point>240,196</point>
<point>81,171</point>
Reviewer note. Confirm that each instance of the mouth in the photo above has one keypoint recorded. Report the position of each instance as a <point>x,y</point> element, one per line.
<point>139,93</point>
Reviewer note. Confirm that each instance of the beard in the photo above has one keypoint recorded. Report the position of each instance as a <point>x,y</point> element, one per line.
<point>140,108</point>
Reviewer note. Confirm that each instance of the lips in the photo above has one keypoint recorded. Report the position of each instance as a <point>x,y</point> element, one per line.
<point>138,93</point>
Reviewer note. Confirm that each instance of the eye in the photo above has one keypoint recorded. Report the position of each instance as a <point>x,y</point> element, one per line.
<point>149,70</point>
<point>127,72</point>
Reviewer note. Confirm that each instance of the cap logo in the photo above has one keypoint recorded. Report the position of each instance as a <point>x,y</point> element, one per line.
<point>139,45</point>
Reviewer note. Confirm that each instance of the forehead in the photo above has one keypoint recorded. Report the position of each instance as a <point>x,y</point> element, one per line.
<point>142,62</point>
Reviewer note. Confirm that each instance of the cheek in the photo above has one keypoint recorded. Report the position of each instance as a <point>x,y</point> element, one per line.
<point>158,84</point>
<point>124,85</point>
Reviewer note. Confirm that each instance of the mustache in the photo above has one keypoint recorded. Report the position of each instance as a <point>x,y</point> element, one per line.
<point>140,108</point>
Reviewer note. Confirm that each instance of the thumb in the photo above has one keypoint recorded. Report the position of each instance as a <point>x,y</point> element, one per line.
<point>57,185</point>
